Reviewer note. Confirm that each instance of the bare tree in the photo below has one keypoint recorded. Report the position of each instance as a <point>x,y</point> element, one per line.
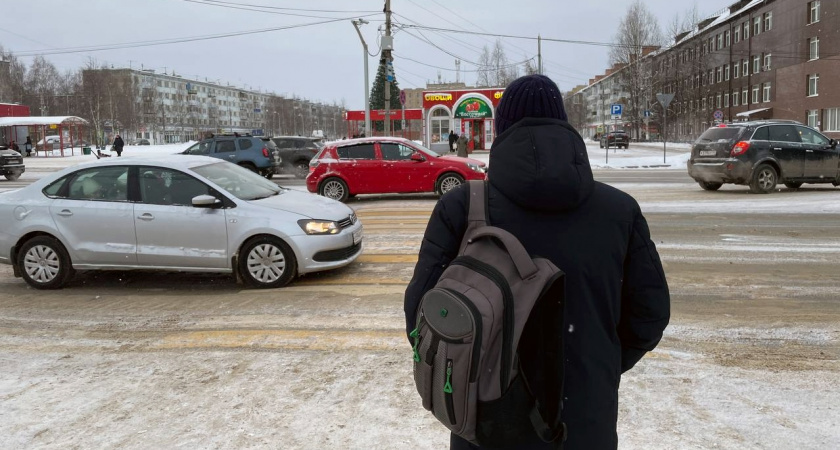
<point>638,34</point>
<point>485,68</point>
<point>577,109</point>
<point>529,67</point>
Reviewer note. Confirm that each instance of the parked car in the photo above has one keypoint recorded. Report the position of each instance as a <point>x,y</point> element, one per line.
<point>296,152</point>
<point>245,150</point>
<point>379,165</point>
<point>175,213</point>
<point>617,139</point>
<point>11,163</point>
<point>144,142</point>
<point>54,143</point>
<point>761,154</point>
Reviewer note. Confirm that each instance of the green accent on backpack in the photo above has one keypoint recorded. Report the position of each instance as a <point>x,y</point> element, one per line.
<point>447,387</point>
<point>443,312</point>
<point>415,334</point>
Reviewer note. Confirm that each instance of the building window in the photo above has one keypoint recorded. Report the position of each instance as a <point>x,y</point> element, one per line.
<point>814,46</point>
<point>813,81</point>
<point>735,98</point>
<point>755,94</point>
<point>756,26</point>
<point>746,30</point>
<point>736,68</point>
<point>440,126</point>
<point>814,8</point>
<point>726,40</point>
<point>745,69</point>
<point>768,21</point>
<point>812,117</point>
<point>704,104</point>
<point>765,92</point>
<point>719,74</point>
<point>756,63</point>
<point>726,72</point>
<point>717,103</point>
<point>832,119</point>
<point>711,78</point>
<point>726,100</point>
<point>744,98</point>
<point>719,41</point>
<point>767,61</point>
<point>737,34</point>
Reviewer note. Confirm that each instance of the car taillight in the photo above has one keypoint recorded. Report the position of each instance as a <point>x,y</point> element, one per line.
<point>265,152</point>
<point>740,148</point>
<point>312,165</point>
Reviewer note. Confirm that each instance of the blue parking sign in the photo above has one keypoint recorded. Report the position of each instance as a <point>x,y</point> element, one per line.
<point>615,109</point>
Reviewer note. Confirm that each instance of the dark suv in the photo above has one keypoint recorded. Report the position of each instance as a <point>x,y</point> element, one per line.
<point>256,154</point>
<point>11,163</point>
<point>762,153</point>
<point>296,152</point>
<point>617,139</point>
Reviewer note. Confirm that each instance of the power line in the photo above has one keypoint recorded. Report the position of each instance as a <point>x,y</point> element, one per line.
<point>68,50</point>
<point>293,9</point>
<point>462,70</point>
<point>242,7</point>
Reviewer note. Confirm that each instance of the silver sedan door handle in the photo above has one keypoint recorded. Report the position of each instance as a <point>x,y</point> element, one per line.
<point>146,216</point>
<point>65,213</point>
<point>776,148</point>
<point>809,151</point>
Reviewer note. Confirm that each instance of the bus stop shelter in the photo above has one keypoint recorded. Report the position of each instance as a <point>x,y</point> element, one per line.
<point>68,129</point>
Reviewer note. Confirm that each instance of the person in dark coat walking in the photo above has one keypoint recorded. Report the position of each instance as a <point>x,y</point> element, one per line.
<point>28,146</point>
<point>542,190</point>
<point>462,145</point>
<point>118,145</point>
<point>453,139</point>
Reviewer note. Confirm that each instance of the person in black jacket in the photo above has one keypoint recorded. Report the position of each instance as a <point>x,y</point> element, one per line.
<point>118,145</point>
<point>542,190</point>
<point>453,138</point>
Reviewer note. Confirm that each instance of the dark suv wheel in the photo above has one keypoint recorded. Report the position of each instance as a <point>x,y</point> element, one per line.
<point>764,179</point>
<point>709,186</point>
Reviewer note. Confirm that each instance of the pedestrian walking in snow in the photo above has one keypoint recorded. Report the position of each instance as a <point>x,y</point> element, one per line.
<point>541,190</point>
<point>453,140</point>
<point>462,145</point>
<point>118,145</point>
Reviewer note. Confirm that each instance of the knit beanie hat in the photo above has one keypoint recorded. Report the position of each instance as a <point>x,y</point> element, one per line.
<point>529,96</point>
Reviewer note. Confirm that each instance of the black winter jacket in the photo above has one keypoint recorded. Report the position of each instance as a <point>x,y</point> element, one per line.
<point>118,143</point>
<point>617,300</point>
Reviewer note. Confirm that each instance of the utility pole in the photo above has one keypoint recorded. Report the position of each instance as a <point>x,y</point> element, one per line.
<point>539,55</point>
<point>356,24</point>
<point>387,46</point>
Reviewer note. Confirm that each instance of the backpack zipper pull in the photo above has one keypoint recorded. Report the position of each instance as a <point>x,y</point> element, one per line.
<point>447,387</point>
<point>416,335</point>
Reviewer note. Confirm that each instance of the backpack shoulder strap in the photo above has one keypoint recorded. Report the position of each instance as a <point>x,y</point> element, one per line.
<point>478,214</point>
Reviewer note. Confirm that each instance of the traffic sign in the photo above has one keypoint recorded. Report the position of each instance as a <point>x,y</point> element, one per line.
<point>647,113</point>
<point>402,96</point>
<point>665,99</point>
<point>718,115</point>
<point>616,109</point>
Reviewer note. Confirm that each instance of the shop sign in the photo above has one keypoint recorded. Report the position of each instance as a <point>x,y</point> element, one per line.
<point>473,108</point>
<point>438,97</point>
<point>498,95</point>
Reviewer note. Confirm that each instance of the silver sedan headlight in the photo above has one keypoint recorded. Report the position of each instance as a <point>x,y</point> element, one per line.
<point>319,226</point>
<point>476,168</point>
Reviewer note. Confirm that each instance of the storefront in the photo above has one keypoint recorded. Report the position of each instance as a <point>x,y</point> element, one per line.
<point>468,112</point>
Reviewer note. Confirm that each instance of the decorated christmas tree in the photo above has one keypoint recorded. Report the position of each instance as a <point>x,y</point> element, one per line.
<point>377,97</point>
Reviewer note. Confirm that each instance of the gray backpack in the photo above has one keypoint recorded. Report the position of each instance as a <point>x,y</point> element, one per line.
<point>488,349</point>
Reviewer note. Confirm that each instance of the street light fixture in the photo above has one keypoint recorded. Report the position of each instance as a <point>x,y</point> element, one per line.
<point>356,24</point>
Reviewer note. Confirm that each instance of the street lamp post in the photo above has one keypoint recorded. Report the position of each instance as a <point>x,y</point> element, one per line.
<point>356,24</point>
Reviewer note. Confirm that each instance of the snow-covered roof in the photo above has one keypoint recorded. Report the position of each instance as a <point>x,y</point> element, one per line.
<point>41,120</point>
<point>751,112</point>
<point>717,21</point>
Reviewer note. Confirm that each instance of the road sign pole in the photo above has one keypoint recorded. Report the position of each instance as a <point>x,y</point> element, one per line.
<point>665,137</point>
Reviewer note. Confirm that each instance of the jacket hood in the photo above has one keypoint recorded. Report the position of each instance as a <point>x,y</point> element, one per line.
<point>541,164</point>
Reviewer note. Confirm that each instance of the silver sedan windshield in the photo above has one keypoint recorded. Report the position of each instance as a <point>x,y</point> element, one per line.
<point>240,182</point>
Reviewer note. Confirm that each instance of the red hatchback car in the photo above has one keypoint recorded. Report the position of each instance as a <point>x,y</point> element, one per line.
<point>380,165</point>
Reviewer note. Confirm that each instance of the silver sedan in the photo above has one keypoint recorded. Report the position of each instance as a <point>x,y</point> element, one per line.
<point>176,213</point>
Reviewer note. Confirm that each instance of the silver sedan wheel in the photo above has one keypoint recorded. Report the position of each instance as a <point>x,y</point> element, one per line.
<point>41,263</point>
<point>334,189</point>
<point>266,263</point>
<point>449,183</point>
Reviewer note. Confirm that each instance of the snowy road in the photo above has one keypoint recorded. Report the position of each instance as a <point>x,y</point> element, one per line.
<point>751,359</point>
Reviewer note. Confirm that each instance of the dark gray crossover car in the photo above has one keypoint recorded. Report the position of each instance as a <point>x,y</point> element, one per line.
<point>253,153</point>
<point>763,153</point>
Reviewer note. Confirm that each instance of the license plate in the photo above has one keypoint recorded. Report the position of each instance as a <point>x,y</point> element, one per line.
<point>357,236</point>
<point>708,153</point>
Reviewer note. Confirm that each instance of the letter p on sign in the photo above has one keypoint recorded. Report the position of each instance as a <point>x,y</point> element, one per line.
<point>615,109</point>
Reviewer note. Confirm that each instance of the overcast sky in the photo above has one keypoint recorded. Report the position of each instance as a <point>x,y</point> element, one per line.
<point>321,62</point>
